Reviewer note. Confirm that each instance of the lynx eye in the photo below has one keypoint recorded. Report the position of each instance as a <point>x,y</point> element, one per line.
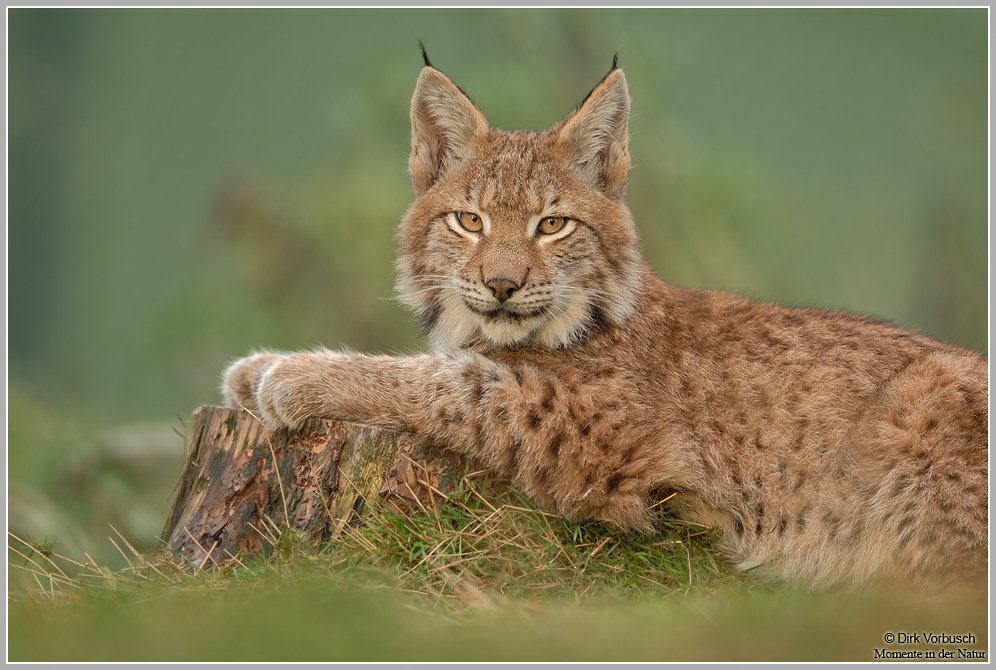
<point>552,224</point>
<point>469,221</point>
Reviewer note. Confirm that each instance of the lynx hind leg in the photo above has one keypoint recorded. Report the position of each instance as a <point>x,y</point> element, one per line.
<point>240,380</point>
<point>921,464</point>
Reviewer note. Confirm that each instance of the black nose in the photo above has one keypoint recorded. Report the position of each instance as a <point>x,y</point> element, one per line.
<point>502,288</point>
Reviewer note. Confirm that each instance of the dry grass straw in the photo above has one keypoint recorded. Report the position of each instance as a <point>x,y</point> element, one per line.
<point>473,550</point>
<point>466,550</point>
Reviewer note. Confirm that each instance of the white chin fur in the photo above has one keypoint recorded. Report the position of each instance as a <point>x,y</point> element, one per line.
<point>562,326</point>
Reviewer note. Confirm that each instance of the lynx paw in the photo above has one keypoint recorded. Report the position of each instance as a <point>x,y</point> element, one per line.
<point>286,392</point>
<point>240,381</point>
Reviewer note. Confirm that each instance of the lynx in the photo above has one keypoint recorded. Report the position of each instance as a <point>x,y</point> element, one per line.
<point>826,448</point>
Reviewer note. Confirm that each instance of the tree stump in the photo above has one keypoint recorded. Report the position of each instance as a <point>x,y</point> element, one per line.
<point>242,484</point>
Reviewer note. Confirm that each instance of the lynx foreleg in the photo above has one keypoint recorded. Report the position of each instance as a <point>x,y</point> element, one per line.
<point>286,389</point>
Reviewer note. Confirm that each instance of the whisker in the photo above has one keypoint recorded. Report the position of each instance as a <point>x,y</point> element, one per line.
<point>427,289</point>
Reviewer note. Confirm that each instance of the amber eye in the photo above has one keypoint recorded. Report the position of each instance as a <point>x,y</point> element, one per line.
<point>552,224</point>
<point>470,222</point>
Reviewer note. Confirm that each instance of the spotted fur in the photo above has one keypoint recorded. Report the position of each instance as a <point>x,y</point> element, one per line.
<point>828,448</point>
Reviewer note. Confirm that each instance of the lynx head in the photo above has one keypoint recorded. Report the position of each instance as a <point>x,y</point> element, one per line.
<point>522,237</point>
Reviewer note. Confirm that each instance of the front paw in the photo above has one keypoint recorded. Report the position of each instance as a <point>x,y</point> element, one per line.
<point>240,381</point>
<point>285,392</point>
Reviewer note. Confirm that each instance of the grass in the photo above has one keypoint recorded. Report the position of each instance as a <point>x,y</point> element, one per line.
<point>473,579</point>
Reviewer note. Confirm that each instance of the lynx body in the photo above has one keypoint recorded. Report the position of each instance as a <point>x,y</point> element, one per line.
<point>828,448</point>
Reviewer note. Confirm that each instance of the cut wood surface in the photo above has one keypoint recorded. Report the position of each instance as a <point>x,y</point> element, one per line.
<point>242,484</point>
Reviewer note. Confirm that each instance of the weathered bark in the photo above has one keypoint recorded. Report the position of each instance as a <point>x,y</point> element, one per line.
<point>242,484</point>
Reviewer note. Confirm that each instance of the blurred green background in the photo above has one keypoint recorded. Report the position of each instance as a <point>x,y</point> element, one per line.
<point>185,185</point>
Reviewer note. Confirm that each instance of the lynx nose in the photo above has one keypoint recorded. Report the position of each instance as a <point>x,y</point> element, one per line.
<point>502,288</point>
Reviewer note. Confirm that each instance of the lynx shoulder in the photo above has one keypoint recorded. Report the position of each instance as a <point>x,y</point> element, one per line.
<point>827,448</point>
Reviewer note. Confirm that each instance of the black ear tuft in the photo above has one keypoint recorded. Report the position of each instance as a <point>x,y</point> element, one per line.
<point>615,60</point>
<point>425,56</point>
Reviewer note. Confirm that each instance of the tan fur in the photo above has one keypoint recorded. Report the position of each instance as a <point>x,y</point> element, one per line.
<point>828,448</point>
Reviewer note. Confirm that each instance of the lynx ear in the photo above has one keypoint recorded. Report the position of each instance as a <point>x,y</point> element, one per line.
<point>444,123</point>
<point>596,134</point>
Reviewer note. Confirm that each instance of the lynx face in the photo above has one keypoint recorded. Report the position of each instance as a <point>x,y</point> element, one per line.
<point>517,237</point>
